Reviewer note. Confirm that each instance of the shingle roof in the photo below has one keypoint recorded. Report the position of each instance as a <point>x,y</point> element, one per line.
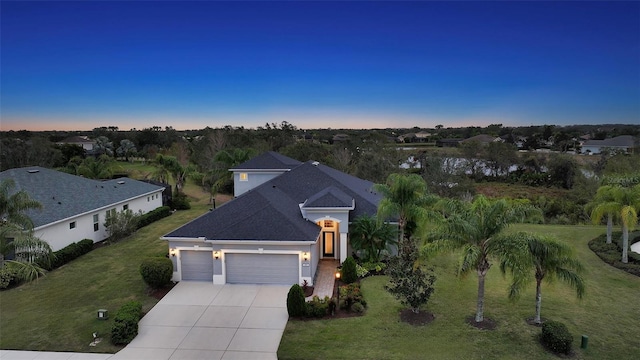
<point>618,141</point>
<point>482,138</point>
<point>329,197</point>
<point>64,195</point>
<point>270,160</point>
<point>271,211</point>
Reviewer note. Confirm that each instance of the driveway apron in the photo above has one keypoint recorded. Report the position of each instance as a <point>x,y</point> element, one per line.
<point>198,320</point>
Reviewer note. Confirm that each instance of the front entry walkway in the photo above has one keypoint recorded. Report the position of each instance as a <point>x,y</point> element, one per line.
<point>326,278</point>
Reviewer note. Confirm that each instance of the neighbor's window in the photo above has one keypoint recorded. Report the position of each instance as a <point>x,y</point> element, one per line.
<point>111,212</point>
<point>147,198</point>
<point>244,177</point>
<point>125,207</point>
<point>72,225</point>
<point>96,222</point>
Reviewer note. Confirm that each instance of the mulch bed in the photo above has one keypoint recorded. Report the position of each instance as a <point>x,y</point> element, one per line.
<point>486,324</point>
<point>531,321</point>
<point>160,293</point>
<point>417,319</point>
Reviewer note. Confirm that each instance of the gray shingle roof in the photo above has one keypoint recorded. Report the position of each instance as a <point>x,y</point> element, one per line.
<point>271,211</point>
<point>329,197</point>
<point>618,141</point>
<point>64,195</point>
<point>270,160</point>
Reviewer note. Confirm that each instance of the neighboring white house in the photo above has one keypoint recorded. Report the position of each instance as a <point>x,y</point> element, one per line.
<point>624,143</point>
<point>75,208</point>
<point>82,141</point>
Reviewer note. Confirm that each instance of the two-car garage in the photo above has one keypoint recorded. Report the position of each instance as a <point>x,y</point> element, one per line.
<point>241,267</point>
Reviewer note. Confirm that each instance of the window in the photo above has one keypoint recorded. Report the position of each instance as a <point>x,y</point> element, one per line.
<point>328,223</point>
<point>244,177</point>
<point>72,225</point>
<point>147,199</point>
<point>125,207</point>
<point>111,212</point>
<point>96,222</point>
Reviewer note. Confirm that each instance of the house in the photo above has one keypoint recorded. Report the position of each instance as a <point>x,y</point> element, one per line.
<point>482,139</point>
<point>448,142</point>
<point>277,230</point>
<point>83,141</point>
<point>625,143</point>
<point>75,208</point>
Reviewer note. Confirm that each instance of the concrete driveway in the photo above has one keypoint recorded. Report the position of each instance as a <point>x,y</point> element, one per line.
<point>197,320</point>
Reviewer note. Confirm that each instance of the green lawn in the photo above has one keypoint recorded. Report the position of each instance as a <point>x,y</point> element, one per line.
<point>58,312</point>
<point>609,315</point>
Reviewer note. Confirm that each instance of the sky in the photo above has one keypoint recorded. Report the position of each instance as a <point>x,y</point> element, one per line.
<point>327,64</point>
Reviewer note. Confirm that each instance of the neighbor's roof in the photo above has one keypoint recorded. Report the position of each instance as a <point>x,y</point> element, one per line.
<point>64,195</point>
<point>618,141</point>
<point>482,138</point>
<point>271,211</point>
<point>270,160</point>
<point>77,140</point>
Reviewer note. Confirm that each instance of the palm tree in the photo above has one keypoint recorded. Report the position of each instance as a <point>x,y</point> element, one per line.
<point>16,233</point>
<point>371,236</point>
<point>225,160</point>
<point>628,199</point>
<point>95,169</point>
<point>604,204</point>
<point>549,259</point>
<point>404,197</point>
<point>474,227</point>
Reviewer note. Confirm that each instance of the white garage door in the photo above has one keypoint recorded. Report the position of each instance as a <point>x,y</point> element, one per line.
<point>261,268</point>
<point>196,265</point>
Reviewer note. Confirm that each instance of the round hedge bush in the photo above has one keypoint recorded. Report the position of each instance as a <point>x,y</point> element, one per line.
<point>156,271</point>
<point>296,305</point>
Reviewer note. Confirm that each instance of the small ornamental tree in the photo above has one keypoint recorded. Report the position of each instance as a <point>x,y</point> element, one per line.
<point>349,271</point>
<point>121,224</point>
<point>408,282</point>
<point>296,304</point>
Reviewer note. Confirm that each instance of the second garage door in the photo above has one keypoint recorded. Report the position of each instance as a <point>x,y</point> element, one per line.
<point>197,265</point>
<point>261,268</point>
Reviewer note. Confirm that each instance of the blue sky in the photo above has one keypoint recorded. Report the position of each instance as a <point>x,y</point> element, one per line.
<point>135,64</point>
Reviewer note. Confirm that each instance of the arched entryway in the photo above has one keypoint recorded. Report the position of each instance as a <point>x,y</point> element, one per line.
<point>329,238</point>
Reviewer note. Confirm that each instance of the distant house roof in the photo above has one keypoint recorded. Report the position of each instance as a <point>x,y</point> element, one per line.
<point>482,138</point>
<point>340,137</point>
<point>271,211</point>
<point>269,160</point>
<point>626,141</point>
<point>64,195</point>
<point>77,140</point>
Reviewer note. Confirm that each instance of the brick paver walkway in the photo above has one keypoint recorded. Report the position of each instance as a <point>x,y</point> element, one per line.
<point>326,278</point>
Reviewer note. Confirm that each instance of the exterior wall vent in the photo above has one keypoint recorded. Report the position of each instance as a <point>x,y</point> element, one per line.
<point>33,171</point>
<point>121,182</point>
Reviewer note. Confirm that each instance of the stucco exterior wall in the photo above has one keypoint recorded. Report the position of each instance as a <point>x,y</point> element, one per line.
<point>59,234</point>
<point>253,179</point>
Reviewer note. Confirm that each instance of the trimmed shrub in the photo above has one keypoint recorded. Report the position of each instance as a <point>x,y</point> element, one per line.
<point>317,308</point>
<point>68,253</point>
<point>349,271</point>
<point>357,308</point>
<point>180,202</point>
<point>556,337</point>
<point>349,295</point>
<point>125,323</point>
<point>153,216</point>
<point>296,306</point>
<point>7,277</point>
<point>156,271</point>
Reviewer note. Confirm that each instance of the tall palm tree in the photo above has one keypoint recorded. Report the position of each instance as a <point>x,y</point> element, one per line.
<point>628,199</point>
<point>548,259</point>
<point>96,169</point>
<point>604,204</point>
<point>16,235</point>
<point>225,160</point>
<point>404,197</point>
<point>371,236</point>
<point>474,227</point>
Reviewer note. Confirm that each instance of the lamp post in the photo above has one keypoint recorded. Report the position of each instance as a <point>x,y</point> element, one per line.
<point>338,285</point>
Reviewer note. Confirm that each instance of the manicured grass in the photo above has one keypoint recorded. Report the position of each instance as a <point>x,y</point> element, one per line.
<point>608,314</point>
<point>58,312</point>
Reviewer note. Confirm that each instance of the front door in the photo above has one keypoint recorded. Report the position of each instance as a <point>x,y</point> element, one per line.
<point>328,244</point>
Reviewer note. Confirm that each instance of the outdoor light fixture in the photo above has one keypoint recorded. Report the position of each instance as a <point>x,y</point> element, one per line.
<point>216,254</point>
<point>338,275</point>
<point>172,252</point>
<point>305,256</point>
